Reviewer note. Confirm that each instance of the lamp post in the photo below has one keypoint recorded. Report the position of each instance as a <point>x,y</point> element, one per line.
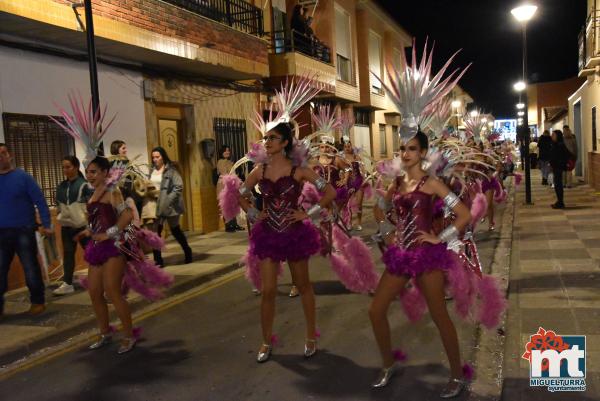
<point>455,106</point>
<point>523,14</point>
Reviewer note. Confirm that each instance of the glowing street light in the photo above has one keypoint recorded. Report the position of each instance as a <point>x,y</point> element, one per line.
<point>521,113</point>
<point>520,106</point>
<point>524,13</point>
<point>456,104</point>
<point>520,86</point>
<point>474,113</point>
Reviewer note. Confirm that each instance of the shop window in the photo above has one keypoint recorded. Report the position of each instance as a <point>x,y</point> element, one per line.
<point>38,145</point>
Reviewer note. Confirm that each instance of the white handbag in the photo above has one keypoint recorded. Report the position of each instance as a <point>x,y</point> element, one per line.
<point>73,214</point>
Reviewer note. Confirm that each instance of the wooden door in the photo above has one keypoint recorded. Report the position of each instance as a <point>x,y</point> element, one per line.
<point>170,138</point>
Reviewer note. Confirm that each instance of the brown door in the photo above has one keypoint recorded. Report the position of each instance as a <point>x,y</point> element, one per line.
<point>170,137</point>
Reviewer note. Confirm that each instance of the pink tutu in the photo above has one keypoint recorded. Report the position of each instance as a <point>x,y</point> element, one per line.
<point>421,259</point>
<point>97,253</point>
<point>300,241</point>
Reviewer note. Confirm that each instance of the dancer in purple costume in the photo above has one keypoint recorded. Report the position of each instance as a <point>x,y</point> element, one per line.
<point>107,216</point>
<point>282,231</point>
<point>356,180</point>
<point>491,185</point>
<point>418,253</point>
<point>330,167</point>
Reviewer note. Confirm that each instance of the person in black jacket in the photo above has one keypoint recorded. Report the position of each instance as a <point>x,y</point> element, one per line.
<point>558,160</point>
<point>544,146</point>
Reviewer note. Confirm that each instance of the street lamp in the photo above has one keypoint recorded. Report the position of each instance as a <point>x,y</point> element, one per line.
<point>521,113</point>
<point>524,14</point>
<point>520,87</point>
<point>520,106</point>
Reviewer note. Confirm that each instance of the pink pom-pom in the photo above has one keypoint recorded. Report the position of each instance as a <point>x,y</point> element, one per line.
<point>274,339</point>
<point>83,281</point>
<point>317,333</point>
<point>137,332</point>
<point>257,153</point>
<point>468,372</point>
<point>228,197</point>
<point>518,179</point>
<point>150,238</point>
<point>112,329</point>
<point>478,209</point>
<point>500,197</point>
<point>399,355</point>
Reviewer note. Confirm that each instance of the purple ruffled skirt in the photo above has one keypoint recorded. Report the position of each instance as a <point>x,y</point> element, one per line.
<point>300,241</point>
<point>421,259</point>
<point>97,253</point>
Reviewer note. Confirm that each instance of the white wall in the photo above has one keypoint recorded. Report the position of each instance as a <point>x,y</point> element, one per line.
<point>32,83</point>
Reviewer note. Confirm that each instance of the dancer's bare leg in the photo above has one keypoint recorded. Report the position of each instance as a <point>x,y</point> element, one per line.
<point>301,279</point>
<point>268,274</point>
<point>431,285</point>
<point>113,276</point>
<point>388,289</point>
<point>96,291</point>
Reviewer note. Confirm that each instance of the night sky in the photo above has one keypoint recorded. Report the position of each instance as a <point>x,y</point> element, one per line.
<point>491,39</point>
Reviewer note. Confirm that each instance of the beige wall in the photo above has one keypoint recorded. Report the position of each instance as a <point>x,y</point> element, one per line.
<point>199,113</point>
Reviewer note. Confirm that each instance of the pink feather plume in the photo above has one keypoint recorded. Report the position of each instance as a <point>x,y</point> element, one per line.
<point>478,209</point>
<point>492,302</point>
<point>228,197</point>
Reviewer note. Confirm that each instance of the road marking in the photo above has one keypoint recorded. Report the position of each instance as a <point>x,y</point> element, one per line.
<point>46,355</point>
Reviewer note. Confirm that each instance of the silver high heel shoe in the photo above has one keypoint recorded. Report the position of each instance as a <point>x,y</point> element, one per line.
<point>263,356</point>
<point>101,342</point>
<point>308,352</point>
<point>385,375</point>
<point>453,388</point>
<point>127,345</point>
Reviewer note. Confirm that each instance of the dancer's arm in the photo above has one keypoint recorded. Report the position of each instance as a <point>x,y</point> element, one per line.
<point>314,213</point>
<point>245,198</point>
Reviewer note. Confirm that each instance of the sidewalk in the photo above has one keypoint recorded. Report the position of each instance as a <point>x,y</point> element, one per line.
<point>554,284</point>
<point>215,254</point>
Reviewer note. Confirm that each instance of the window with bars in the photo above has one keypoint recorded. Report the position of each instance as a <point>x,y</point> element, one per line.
<point>231,132</point>
<point>362,116</point>
<point>38,145</point>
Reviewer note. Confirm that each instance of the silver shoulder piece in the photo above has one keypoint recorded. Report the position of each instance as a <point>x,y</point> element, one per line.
<point>320,184</point>
<point>245,192</point>
<point>121,207</point>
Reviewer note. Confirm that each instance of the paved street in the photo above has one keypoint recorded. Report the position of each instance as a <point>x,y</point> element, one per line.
<point>204,349</point>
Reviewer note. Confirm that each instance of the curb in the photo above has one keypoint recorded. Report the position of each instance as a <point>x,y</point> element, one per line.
<point>83,324</point>
<point>488,359</point>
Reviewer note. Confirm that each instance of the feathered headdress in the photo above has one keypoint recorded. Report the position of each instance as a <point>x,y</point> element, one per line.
<point>346,124</point>
<point>414,91</point>
<point>474,125</point>
<point>85,125</point>
<point>438,117</point>
<point>325,119</point>
<point>293,95</point>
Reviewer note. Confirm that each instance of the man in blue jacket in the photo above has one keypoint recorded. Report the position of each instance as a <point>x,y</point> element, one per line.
<point>20,195</point>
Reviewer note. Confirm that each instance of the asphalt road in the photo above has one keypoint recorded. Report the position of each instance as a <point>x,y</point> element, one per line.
<point>204,349</point>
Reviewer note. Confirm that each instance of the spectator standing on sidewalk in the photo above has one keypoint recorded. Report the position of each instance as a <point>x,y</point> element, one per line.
<point>544,149</point>
<point>224,166</point>
<point>169,206</point>
<point>71,197</point>
<point>19,197</point>
<point>571,144</point>
<point>533,154</point>
<point>558,160</point>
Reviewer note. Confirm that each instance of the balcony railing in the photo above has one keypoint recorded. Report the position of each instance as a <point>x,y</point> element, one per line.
<point>294,41</point>
<point>589,40</point>
<point>238,14</point>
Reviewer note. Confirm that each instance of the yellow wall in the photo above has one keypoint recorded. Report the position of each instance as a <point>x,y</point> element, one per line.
<point>199,116</point>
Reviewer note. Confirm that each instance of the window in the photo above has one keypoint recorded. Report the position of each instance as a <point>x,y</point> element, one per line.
<point>395,138</point>
<point>343,41</point>
<point>38,145</point>
<point>396,59</point>
<point>362,117</point>
<point>382,140</point>
<point>231,132</point>
<point>375,62</point>
<point>594,136</point>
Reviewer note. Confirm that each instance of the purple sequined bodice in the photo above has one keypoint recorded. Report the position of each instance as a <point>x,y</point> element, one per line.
<point>101,216</point>
<point>329,172</point>
<point>279,199</point>
<point>415,213</point>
